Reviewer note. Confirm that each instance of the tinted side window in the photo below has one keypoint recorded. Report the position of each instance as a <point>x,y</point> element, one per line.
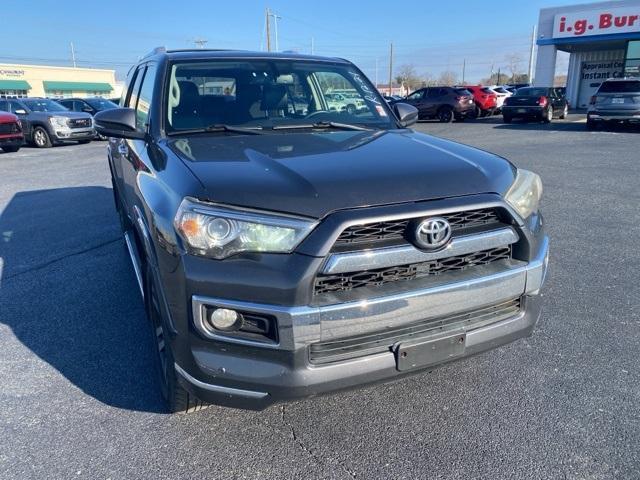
<point>134,88</point>
<point>416,95</point>
<point>145,98</point>
<point>4,105</point>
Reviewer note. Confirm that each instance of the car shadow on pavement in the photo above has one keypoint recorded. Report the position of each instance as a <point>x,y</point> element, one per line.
<point>68,294</point>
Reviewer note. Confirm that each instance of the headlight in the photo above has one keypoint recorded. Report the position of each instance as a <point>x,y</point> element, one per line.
<point>59,122</point>
<point>218,231</point>
<point>525,193</point>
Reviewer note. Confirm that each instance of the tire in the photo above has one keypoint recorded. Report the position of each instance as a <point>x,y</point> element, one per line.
<point>548,115</point>
<point>565,112</point>
<point>177,399</point>
<point>477,112</point>
<point>445,115</point>
<point>40,138</point>
<point>10,149</point>
<point>506,118</point>
<point>83,142</point>
<point>351,109</point>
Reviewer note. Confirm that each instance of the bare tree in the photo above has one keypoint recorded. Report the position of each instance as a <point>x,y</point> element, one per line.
<point>407,76</point>
<point>514,61</point>
<point>448,78</point>
<point>427,79</point>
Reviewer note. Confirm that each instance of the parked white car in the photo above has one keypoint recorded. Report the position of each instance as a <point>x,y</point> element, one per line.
<point>341,102</point>
<point>502,94</point>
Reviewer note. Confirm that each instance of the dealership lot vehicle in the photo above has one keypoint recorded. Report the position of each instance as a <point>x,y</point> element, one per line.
<point>443,103</point>
<point>84,386</point>
<point>501,95</point>
<point>616,101</point>
<point>248,254</point>
<point>486,100</point>
<point>46,122</point>
<point>90,105</point>
<point>11,136</point>
<point>537,103</point>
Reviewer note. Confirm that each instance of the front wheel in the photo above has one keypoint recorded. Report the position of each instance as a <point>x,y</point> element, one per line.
<point>548,115</point>
<point>445,115</point>
<point>177,399</point>
<point>351,109</point>
<point>41,138</point>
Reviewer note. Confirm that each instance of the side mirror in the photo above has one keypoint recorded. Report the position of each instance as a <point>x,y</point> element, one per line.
<point>407,114</point>
<point>87,109</point>
<point>118,123</point>
<point>20,111</point>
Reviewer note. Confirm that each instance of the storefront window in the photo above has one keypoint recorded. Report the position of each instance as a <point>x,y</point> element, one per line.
<point>58,94</point>
<point>632,62</point>
<point>13,93</point>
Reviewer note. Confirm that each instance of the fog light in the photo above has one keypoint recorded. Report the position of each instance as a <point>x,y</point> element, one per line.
<point>225,319</point>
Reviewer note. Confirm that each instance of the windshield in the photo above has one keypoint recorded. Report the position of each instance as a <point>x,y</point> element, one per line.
<point>463,91</point>
<point>43,105</point>
<point>271,93</point>
<point>630,86</point>
<point>100,103</point>
<point>531,92</point>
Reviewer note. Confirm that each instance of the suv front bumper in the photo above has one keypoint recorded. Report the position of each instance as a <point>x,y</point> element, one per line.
<point>254,377</point>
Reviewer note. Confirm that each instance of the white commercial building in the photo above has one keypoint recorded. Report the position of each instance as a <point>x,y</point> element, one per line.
<point>603,40</point>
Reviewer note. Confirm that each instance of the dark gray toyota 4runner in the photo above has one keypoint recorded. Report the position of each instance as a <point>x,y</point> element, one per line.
<point>285,249</point>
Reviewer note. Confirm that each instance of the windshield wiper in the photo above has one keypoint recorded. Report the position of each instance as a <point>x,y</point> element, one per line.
<point>317,125</point>
<point>220,127</point>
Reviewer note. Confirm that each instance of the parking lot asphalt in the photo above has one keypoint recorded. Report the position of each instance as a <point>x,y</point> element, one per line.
<point>78,399</point>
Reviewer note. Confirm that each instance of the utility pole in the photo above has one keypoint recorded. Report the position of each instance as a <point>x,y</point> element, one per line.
<point>499,76</point>
<point>390,69</point>
<point>268,14</point>
<point>275,28</point>
<point>531,53</point>
<point>73,55</point>
<point>376,73</point>
<point>464,67</point>
<point>200,42</point>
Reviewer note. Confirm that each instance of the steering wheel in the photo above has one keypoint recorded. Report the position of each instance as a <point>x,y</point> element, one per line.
<point>317,112</point>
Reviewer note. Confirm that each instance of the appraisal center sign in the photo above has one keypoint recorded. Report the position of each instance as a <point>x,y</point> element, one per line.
<point>605,21</point>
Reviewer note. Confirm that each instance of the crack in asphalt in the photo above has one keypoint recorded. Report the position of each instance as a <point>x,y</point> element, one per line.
<point>306,450</point>
<point>59,259</point>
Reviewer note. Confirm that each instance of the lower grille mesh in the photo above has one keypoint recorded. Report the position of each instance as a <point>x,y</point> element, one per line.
<point>372,343</point>
<point>348,281</point>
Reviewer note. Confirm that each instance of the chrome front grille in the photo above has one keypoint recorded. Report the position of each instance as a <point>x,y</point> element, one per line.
<point>384,341</point>
<point>347,281</point>
<point>79,123</point>
<point>394,231</point>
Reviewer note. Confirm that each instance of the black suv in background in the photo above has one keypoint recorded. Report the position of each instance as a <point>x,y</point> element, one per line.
<point>284,249</point>
<point>46,122</point>
<point>88,105</point>
<point>616,101</point>
<point>443,103</point>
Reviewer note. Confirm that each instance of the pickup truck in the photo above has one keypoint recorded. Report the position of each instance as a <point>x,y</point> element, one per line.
<point>537,103</point>
<point>287,251</point>
<point>46,123</point>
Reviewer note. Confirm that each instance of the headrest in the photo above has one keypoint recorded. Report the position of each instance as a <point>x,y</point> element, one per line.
<point>273,97</point>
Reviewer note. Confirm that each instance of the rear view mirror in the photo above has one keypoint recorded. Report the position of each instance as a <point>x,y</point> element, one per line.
<point>407,114</point>
<point>118,123</point>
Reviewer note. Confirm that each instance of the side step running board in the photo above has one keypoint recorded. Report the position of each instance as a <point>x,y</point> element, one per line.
<point>135,260</point>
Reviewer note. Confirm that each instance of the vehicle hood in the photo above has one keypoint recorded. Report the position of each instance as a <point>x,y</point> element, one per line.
<point>314,174</point>
<point>69,114</point>
<point>6,117</point>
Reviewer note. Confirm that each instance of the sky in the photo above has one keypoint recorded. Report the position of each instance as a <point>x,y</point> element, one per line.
<point>433,36</point>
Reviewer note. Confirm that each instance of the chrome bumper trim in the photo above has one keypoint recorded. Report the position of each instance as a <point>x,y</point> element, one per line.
<point>487,285</point>
<point>219,388</point>
<point>407,254</point>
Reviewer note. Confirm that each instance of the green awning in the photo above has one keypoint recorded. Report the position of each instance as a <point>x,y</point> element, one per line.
<point>14,85</point>
<point>78,86</point>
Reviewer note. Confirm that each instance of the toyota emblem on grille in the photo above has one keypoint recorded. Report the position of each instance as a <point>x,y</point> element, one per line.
<point>433,233</point>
